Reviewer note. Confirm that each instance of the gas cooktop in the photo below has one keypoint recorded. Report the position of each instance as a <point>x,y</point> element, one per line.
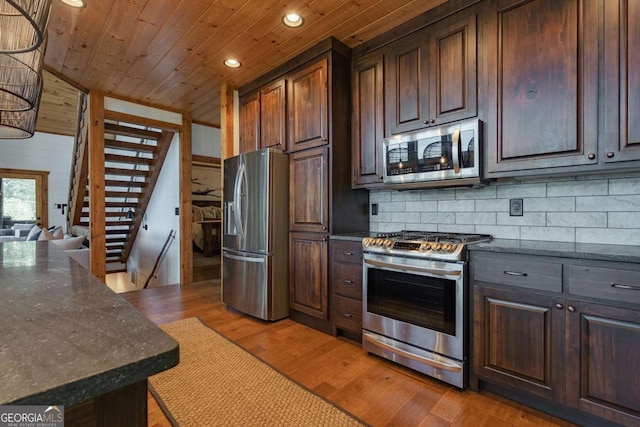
<point>423,244</point>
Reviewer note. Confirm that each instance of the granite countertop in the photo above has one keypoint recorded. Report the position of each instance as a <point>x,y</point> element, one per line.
<point>67,337</point>
<point>353,236</point>
<point>621,253</point>
<point>592,251</point>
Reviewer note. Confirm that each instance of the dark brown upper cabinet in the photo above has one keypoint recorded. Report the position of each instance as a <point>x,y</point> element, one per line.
<point>249,123</point>
<point>262,118</point>
<point>621,81</point>
<point>309,190</point>
<point>453,51</point>
<point>273,115</point>
<point>542,85</point>
<point>368,119</point>
<point>308,107</point>
<point>431,75</point>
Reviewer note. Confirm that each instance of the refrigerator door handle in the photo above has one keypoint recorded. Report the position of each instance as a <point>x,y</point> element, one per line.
<point>260,260</point>
<point>237,195</point>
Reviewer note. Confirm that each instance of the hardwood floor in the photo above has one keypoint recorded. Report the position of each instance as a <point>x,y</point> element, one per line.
<point>379,392</point>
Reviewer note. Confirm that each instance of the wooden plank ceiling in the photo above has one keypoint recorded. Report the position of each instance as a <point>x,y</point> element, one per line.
<point>170,53</point>
<point>58,110</point>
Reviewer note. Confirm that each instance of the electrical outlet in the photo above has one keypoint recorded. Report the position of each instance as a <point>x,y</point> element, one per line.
<point>516,207</point>
<point>177,211</point>
<point>374,209</point>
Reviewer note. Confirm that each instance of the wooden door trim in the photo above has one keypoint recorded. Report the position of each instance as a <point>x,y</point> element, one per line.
<point>42,190</point>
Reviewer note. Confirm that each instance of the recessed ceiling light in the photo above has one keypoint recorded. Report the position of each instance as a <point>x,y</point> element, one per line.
<point>292,20</point>
<point>75,3</point>
<point>232,63</point>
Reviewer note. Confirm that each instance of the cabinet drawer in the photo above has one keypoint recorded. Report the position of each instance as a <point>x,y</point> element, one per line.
<point>606,283</point>
<point>347,313</point>
<point>346,251</point>
<point>523,273</point>
<point>346,280</point>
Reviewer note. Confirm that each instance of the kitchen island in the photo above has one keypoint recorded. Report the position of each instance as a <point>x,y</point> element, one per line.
<point>67,339</point>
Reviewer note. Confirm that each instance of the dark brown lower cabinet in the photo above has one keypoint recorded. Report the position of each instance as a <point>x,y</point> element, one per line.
<point>519,340</point>
<point>603,361</point>
<point>577,347</point>
<point>308,275</point>
<point>346,287</point>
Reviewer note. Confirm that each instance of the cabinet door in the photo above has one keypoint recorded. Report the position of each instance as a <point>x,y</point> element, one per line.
<point>621,81</point>
<point>542,76</point>
<point>368,120</point>
<point>249,122</point>
<point>272,116</point>
<point>309,190</point>
<point>603,361</point>
<point>519,341</point>
<point>308,277</point>
<point>453,55</point>
<point>308,107</point>
<point>407,84</point>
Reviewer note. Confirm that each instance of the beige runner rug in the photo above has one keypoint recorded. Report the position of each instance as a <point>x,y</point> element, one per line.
<point>218,383</point>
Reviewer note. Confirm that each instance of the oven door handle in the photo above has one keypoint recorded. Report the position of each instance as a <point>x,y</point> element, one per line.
<point>427,361</point>
<point>411,268</point>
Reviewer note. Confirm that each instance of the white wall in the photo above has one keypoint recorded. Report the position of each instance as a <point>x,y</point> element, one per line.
<point>597,209</point>
<point>205,140</point>
<point>43,152</point>
<point>160,219</point>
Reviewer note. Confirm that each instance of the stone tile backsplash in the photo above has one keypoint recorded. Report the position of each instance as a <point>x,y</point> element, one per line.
<point>583,210</point>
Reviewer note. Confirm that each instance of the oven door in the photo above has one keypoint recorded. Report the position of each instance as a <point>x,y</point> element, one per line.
<point>413,313</point>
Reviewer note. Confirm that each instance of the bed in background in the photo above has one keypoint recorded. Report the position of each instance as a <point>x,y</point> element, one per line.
<point>202,215</point>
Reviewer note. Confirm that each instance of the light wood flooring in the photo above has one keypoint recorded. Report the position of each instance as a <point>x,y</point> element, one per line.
<point>206,268</point>
<point>377,391</point>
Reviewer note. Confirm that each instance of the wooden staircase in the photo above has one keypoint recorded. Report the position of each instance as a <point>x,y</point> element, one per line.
<point>133,155</point>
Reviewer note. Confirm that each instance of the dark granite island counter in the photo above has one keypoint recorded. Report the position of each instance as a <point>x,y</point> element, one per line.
<point>67,339</point>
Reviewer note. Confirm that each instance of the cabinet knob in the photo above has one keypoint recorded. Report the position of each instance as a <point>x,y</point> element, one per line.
<point>349,315</point>
<point>559,306</point>
<point>610,154</point>
<point>380,177</point>
<point>571,308</point>
<point>348,253</point>
<point>324,228</point>
<point>591,156</point>
<point>324,139</point>
<point>348,281</point>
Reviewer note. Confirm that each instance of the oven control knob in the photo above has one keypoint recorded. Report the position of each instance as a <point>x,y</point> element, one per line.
<point>436,246</point>
<point>424,247</point>
<point>366,242</point>
<point>448,247</point>
<point>388,243</point>
<point>379,242</point>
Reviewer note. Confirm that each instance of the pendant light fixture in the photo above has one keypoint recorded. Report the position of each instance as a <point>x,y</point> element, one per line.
<point>21,79</point>
<point>23,24</point>
<point>20,124</point>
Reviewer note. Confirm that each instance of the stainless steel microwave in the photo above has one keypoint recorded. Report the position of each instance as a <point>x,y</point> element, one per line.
<point>435,157</point>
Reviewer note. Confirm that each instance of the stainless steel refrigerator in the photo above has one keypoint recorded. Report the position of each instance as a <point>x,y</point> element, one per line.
<point>255,252</point>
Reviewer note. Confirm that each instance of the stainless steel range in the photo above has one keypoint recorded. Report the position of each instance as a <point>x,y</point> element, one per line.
<point>415,301</point>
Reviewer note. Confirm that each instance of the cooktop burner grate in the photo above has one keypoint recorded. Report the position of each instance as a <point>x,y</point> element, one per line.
<point>435,236</point>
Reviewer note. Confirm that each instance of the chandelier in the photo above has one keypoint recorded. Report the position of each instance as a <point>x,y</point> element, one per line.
<point>23,24</point>
<point>23,40</point>
<point>20,124</point>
